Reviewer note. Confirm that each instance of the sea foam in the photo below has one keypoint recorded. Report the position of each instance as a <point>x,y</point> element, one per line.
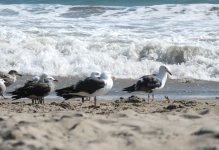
<point>70,40</point>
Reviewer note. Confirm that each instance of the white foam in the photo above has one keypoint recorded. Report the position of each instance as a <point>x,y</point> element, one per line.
<point>128,41</point>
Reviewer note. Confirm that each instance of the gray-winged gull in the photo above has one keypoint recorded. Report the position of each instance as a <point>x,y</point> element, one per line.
<point>149,83</point>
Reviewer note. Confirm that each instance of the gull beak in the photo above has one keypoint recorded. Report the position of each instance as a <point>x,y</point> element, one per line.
<point>113,78</point>
<point>18,74</point>
<point>55,80</point>
<point>169,72</point>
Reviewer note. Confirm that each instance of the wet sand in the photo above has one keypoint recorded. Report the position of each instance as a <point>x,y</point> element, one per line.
<point>175,89</point>
<point>126,123</point>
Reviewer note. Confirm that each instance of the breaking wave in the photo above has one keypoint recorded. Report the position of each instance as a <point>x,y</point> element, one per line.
<point>70,40</point>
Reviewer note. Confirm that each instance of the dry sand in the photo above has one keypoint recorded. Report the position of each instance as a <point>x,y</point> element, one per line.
<point>130,124</point>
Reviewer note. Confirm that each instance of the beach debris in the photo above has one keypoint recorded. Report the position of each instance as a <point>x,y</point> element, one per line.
<point>133,99</point>
<point>190,116</point>
<point>167,99</point>
<point>171,107</point>
<point>186,103</point>
<point>8,135</point>
<point>204,112</point>
<point>63,104</point>
<point>207,132</point>
<point>203,132</point>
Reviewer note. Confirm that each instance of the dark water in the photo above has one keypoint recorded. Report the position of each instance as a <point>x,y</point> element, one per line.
<point>109,2</point>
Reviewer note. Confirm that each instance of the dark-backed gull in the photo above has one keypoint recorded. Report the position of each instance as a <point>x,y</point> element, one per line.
<point>35,90</point>
<point>149,83</point>
<point>90,87</point>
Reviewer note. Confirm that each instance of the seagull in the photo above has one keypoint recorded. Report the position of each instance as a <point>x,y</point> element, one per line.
<point>35,90</point>
<point>35,79</point>
<point>2,88</point>
<point>66,92</point>
<point>9,77</point>
<point>149,83</point>
<point>89,87</point>
<point>29,83</point>
<point>93,75</point>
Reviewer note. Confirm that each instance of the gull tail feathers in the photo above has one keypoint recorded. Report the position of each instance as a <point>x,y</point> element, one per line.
<point>130,88</point>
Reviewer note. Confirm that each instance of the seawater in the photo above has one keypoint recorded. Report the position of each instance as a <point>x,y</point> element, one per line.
<point>128,38</point>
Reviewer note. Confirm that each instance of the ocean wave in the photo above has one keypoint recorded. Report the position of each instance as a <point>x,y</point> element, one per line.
<point>70,40</point>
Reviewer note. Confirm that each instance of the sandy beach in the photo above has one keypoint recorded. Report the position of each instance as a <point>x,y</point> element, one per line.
<point>69,40</point>
<point>129,123</point>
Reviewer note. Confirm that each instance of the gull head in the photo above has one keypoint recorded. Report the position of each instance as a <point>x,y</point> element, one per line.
<point>95,74</point>
<point>14,72</point>
<point>164,69</point>
<point>47,78</point>
<point>50,78</point>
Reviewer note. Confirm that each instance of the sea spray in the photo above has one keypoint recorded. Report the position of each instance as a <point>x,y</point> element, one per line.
<point>68,40</point>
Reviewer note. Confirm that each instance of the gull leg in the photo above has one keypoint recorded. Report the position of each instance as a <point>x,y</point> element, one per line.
<point>38,101</point>
<point>82,99</point>
<point>148,98</point>
<point>4,97</point>
<point>152,96</point>
<point>33,101</point>
<point>95,101</point>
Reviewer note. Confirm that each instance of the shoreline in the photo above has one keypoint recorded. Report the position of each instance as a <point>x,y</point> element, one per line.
<point>174,89</point>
